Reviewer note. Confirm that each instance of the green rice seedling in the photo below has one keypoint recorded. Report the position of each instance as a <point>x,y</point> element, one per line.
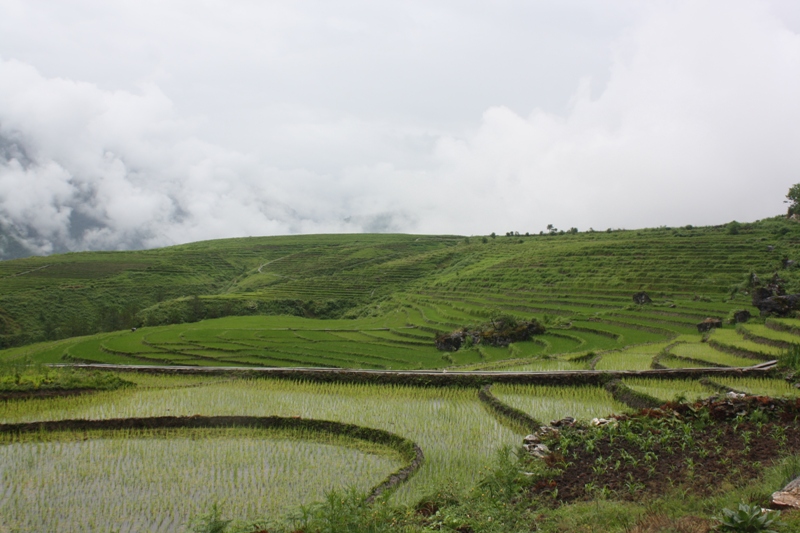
<point>547,403</point>
<point>669,390</point>
<point>729,337</point>
<point>760,386</point>
<point>704,352</point>
<point>536,364</point>
<point>155,480</point>
<point>670,361</point>
<point>439,420</point>
<point>625,360</point>
<point>785,324</point>
<point>768,334</point>
<point>791,357</point>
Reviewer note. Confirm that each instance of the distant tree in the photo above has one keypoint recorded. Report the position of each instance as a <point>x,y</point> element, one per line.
<point>573,230</point>
<point>484,240</point>
<point>733,228</point>
<point>793,199</point>
<point>492,235</point>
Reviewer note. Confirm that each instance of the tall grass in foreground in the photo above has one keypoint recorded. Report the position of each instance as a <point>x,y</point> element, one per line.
<point>457,434</point>
<point>142,481</point>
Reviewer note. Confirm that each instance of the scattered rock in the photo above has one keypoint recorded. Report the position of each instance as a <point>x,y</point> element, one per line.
<point>450,342</point>
<point>735,395</point>
<point>567,421</point>
<point>741,316</point>
<point>708,324</point>
<point>533,438</point>
<point>641,298</point>
<point>770,248</point>
<point>538,450</point>
<point>603,422</point>
<point>789,496</point>
<point>760,294</point>
<point>133,329</point>
<point>783,305</point>
<point>547,431</point>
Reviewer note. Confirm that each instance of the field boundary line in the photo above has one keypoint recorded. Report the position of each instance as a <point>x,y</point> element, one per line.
<point>441,377</point>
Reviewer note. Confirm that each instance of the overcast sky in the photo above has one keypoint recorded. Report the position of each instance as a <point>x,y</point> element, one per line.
<point>145,123</point>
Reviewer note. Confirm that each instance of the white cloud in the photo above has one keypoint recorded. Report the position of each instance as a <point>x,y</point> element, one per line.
<point>363,119</point>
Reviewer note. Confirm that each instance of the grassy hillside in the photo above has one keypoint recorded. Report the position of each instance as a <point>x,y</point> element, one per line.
<point>373,301</point>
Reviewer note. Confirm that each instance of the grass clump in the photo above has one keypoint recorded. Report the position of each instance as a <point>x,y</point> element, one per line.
<point>30,378</point>
<point>790,359</point>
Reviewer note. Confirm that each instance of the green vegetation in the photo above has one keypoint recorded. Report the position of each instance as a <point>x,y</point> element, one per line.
<point>377,302</point>
<point>31,379</point>
<point>438,282</point>
<point>241,467</point>
<point>749,518</point>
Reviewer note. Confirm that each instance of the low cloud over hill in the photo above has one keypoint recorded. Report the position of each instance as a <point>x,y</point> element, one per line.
<point>689,116</point>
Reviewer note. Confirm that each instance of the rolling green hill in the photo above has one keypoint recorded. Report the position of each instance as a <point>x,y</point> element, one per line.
<point>374,301</point>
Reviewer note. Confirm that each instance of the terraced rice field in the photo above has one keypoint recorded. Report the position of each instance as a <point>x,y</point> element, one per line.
<point>367,302</point>
<point>402,338</point>
<point>439,420</point>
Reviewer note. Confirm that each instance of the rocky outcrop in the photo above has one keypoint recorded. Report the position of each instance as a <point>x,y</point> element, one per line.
<point>741,316</point>
<point>772,300</point>
<point>641,298</point>
<point>708,324</point>
<point>775,305</point>
<point>789,496</point>
<point>499,332</point>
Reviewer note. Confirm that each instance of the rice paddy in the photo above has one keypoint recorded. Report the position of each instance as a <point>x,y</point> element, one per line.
<point>668,391</point>
<point>546,403</point>
<point>146,481</point>
<point>760,386</point>
<point>439,420</point>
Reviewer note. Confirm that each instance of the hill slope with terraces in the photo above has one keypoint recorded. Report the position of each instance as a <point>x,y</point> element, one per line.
<point>376,301</point>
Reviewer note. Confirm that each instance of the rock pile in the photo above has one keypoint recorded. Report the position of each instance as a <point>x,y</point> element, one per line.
<point>708,324</point>
<point>533,442</point>
<point>741,316</point>
<point>641,298</point>
<point>773,300</point>
<point>499,332</point>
